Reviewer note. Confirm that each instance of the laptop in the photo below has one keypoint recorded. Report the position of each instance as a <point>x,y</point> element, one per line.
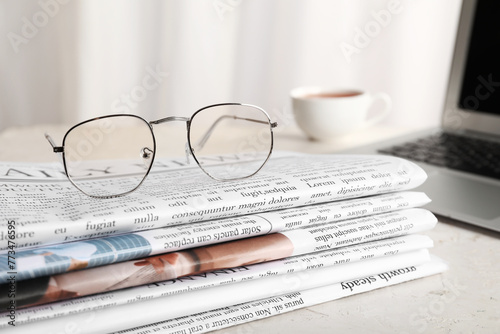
<point>462,157</point>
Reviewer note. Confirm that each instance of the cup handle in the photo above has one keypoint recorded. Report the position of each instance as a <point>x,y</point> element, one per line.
<point>384,113</point>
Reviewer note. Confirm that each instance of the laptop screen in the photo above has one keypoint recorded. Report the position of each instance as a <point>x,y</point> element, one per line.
<point>480,89</point>
<point>473,97</point>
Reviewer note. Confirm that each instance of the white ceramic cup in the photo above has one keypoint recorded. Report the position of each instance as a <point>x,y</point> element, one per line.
<point>330,113</point>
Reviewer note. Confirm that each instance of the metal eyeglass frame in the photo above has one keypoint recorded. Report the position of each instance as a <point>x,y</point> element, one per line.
<point>147,154</point>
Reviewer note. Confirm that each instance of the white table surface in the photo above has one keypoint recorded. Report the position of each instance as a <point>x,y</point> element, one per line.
<point>465,299</point>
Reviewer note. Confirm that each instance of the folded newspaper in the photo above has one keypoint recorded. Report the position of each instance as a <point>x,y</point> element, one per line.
<point>182,234</point>
<point>303,264</point>
<point>56,259</point>
<point>252,310</point>
<point>348,279</point>
<point>39,206</point>
<point>219,256</point>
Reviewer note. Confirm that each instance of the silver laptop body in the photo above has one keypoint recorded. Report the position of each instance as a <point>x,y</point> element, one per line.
<point>456,194</point>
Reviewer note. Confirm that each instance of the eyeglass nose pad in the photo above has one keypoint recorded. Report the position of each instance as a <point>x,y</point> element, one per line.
<point>188,152</point>
<point>146,154</point>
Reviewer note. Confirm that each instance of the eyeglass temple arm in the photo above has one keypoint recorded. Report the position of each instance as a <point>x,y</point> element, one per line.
<point>57,149</point>
<point>207,135</point>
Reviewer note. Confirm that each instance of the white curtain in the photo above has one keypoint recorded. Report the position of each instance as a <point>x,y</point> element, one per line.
<point>63,61</point>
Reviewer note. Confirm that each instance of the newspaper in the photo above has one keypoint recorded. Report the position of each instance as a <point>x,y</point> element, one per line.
<point>39,205</point>
<point>222,295</point>
<point>350,254</point>
<point>267,307</point>
<point>219,256</point>
<point>56,259</point>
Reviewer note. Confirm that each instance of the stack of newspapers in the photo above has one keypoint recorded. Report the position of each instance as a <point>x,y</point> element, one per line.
<point>185,253</point>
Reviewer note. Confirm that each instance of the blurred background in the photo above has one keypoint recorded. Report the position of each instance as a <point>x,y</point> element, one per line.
<point>63,61</point>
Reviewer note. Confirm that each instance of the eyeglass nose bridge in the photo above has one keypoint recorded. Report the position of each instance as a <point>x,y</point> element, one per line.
<point>178,119</point>
<point>170,119</point>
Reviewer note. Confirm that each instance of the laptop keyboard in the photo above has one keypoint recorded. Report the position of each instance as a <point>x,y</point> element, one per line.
<point>457,152</point>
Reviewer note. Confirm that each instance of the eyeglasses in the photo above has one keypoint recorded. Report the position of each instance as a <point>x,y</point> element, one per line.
<point>111,156</point>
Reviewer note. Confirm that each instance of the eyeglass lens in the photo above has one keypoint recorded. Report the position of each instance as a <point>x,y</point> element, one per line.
<point>239,133</point>
<point>121,146</point>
